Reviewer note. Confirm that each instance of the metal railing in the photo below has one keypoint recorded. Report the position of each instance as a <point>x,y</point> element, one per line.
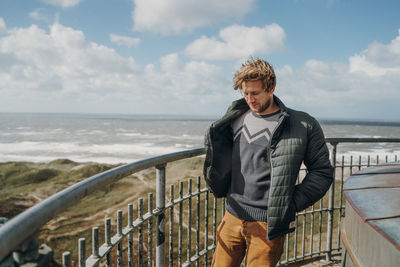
<point>187,217</point>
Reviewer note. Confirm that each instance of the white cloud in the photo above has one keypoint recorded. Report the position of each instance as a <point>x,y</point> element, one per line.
<point>238,42</point>
<point>379,59</point>
<point>37,14</point>
<point>61,60</point>
<point>368,86</point>
<point>175,16</point>
<point>62,3</point>
<point>61,71</point>
<point>124,40</point>
<point>3,27</point>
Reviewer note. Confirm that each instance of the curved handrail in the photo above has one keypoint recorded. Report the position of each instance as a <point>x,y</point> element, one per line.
<point>24,225</point>
<point>31,220</point>
<point>361,140</point>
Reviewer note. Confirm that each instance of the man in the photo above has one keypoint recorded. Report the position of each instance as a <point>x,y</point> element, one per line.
<point>253,157</point>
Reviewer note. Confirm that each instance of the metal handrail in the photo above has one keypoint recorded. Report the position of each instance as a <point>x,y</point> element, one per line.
<point>26,224</point>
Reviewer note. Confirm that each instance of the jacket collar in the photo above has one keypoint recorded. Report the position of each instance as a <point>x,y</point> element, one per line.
<point>282,106</point>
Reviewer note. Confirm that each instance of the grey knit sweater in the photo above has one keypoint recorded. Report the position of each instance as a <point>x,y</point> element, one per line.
<point>247,197</point>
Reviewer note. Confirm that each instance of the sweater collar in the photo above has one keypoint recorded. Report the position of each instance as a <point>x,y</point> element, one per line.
<point>241,104</point>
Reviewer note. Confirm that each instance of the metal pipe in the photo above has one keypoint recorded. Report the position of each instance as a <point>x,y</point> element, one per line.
<point>312,229</point>
<point>95,242</point>
<point>303,243</point>
<point>130,236</point>
<point>160,204</point>
<point>66,261</point>
<point>180,224</point>
<point>197,248</point>
<point>150,231</point>
<point>107,238</point>
<point>171,227</point>
<point>82,252</point>
<point>140,232</point>
<point>189,221</point>
<point>206,226</point>
<point>331,204</point>
<point>119,230</point>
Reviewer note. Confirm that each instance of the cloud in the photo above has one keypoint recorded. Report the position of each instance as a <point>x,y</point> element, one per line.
<point>3,27</point>
<point>176,16</point>
<point>366,86</point>
<point>62,3</point>
<point>238,42</point>
<point>60,71</point>
<point>124,40</point>
<point>379,59</point>
<point>37,14</point>
<point>61,60</point>
<point>193,82</point>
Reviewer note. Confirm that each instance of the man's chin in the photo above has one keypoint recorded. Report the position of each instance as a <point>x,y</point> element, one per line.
<point>256,110</point>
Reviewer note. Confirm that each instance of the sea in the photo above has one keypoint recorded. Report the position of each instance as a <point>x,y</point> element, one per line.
<point>105,138</point>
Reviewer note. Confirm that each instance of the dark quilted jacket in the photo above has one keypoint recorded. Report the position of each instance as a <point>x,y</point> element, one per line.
<point>298,138</point>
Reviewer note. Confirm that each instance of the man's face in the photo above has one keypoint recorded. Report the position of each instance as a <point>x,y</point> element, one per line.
<point>259,100</point>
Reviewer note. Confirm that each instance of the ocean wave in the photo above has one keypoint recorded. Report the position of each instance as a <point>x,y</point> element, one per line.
<point>107,153</point>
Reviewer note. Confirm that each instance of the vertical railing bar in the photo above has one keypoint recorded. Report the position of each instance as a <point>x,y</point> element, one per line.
<point>341,197</point>
<point>312,229</point>
<point>198,221</point>
<point>295,237</point>
<point>82,252</point>
<point>206,227</point>
<point>351,164</point>
<point>66,259</point>
<point>320,226</point>
<point>297,226</point>
<point>377,159</point>
<point>130,236</point>
<point>223,207</point>
<point>160,225</point>
<point>150,231</point>
<point>303,236</point>
<point>215,221</point>
<point>171,225</point>
<point>369,161</point>
<point>189,221</point>
<point>386,158</point>
<point>395,157</point>
<point>180,224</point>
<point>359,163</point>
<point>95,242</point>
<point>287,248</point>
<point>140,232</point>
<point>107,237</point>
<point>331,205</point>
<point>214,225</point>
<point>119,229</point>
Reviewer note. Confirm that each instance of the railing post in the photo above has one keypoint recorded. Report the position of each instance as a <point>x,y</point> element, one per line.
<point>160,205</point>
<point>66,259</point>
<point>331,205</point>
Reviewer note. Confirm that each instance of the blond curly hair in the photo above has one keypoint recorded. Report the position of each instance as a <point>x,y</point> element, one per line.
<point>255,70</point>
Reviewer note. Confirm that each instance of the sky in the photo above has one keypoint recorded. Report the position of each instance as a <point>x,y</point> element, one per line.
<point>334,59</point>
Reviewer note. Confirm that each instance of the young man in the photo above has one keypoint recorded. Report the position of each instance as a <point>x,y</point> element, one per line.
<point>253,157</point>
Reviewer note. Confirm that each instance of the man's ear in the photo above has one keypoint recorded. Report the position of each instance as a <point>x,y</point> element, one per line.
<point>272,90</point>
